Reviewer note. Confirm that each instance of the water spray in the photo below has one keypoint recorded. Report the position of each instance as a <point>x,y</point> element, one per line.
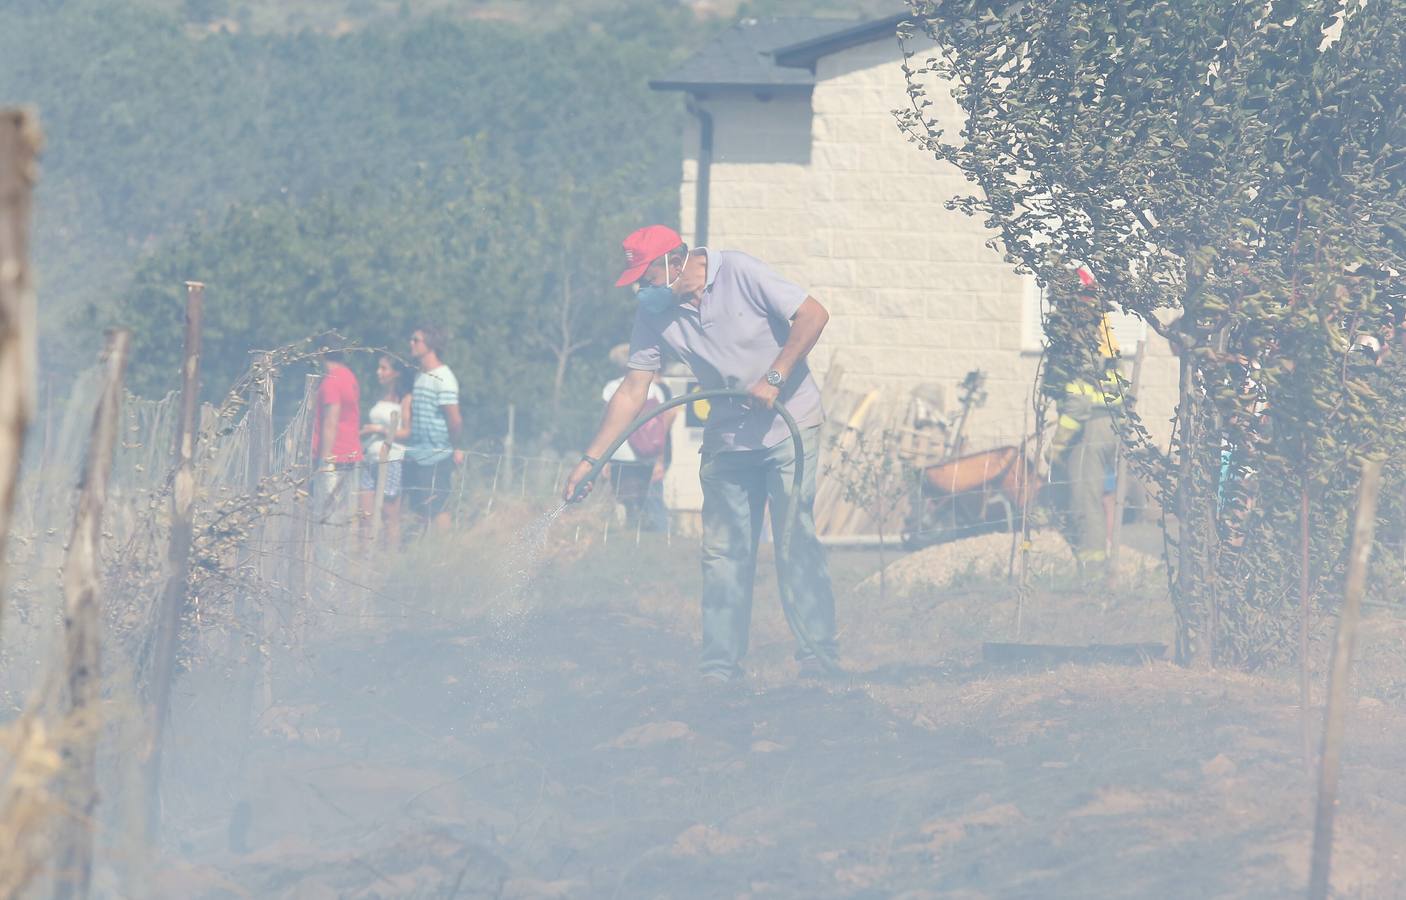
<point>783,544</point>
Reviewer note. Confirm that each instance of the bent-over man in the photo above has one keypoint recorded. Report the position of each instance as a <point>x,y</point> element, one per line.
<point>737,324</point>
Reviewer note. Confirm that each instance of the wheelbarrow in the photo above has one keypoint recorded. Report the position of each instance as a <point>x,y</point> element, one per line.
<point>972,494</point>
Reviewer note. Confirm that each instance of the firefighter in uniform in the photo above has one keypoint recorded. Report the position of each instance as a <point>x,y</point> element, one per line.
<point>1081,377</point>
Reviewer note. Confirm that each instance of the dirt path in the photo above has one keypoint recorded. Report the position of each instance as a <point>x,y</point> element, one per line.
<point>573,754</point>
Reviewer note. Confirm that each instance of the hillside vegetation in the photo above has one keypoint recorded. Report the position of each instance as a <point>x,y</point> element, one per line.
<point>475,172</point>
<point>347,15</point>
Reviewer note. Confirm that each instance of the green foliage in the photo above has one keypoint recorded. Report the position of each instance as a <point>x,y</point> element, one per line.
<point>205,10</point>
<point>476,173</point>
<point>154,130</point>
<point>852,9</point>
<point>1232,174</point>
<point>470,248</point>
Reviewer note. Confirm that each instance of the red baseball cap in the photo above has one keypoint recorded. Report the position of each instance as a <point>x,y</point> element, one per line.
<point>643,247</point>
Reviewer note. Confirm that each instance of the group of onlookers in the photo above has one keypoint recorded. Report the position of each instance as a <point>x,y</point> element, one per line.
<point>406,445</point>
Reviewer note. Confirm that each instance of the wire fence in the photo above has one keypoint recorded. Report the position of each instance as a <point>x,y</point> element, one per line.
<point>270,547</point>
<point>278,565</point>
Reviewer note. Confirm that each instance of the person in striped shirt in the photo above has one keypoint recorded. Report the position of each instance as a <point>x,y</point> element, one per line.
<point>431,456</point>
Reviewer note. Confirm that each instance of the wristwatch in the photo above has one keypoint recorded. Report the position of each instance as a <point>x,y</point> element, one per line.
<point>775,379</point>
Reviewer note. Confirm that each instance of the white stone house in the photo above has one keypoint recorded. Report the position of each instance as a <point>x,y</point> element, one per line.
<point>792,154</point>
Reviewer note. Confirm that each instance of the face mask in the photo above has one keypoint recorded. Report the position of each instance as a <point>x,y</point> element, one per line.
<point>655,299</point>
<point>658,298</point>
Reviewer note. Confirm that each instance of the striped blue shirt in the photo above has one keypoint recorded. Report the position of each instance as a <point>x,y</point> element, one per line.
<point>429,429</point>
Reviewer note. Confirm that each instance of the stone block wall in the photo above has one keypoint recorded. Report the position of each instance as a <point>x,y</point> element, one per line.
<point>826,189</point>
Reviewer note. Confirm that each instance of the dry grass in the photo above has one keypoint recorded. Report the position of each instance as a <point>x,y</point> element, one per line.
<point>1238,773</point>
<point>1084,755</point>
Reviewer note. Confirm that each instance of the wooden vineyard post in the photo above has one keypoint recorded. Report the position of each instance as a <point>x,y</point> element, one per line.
<point>82,623</point>
<point>173,596</point>
<point>262,441</point>
<point>261,447</point>
<point>1335,715</point>
<point>1305,689</point>
<point>248,638</point>
<point>20,140</point>
<point>509,444</point>
<point>19,149</point>
<point>351,531</point>
<point>303,537</point>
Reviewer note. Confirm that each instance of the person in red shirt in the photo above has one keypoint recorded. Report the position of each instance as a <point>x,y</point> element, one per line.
<point>336,436</point>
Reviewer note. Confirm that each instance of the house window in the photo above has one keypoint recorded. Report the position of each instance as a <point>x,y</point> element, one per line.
<point>1128,329</point>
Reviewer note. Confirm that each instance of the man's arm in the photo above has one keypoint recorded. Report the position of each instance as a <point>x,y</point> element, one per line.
<point>622,409</point>
<point>806,325</point>
<point>455,422</point>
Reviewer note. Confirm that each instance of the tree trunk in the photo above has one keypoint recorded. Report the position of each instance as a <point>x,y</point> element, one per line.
<point>82,625</point>
<point>1193,539</point>
<point>559,384</point>
<point>563,350</point>
<point>20,140</point>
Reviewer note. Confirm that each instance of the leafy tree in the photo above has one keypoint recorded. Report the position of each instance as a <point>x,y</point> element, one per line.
<point>478,173</point>
<point>852,9</point>
<point>1231,171</point>
<point>205,10</point>
<point>153,131</point>
<point>521,281</point>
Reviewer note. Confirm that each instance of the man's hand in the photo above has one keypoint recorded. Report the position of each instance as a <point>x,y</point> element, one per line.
<point>583,468</point>
<point>458,458</point>
<point>764,395</point>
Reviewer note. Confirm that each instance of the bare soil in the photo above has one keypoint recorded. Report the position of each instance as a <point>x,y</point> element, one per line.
<point>558,744</point>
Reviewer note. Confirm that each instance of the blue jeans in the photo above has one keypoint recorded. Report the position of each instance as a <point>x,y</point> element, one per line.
<point>736,487</point>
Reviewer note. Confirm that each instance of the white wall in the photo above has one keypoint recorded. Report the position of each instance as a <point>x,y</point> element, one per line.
<point>828,191</point>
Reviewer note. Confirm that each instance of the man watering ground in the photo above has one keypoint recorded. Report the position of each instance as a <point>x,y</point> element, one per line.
<point>737,324</point>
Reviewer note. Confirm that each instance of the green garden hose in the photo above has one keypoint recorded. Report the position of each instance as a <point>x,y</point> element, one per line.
<point>793,508</point>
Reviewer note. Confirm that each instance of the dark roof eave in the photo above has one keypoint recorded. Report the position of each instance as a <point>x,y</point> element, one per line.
<point>695,87</point>
<point>805,53</point>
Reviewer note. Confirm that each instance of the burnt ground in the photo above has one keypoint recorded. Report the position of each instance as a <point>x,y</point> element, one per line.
<point>567,750</point>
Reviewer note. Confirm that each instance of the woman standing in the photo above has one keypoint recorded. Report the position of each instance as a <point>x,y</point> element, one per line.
<point>388,424</point>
